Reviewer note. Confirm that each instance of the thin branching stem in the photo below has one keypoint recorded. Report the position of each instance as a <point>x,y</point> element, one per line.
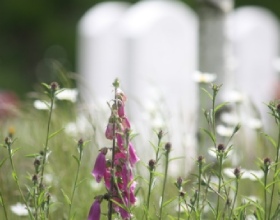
<point>164,183</point>
<point>76,179</point>
<point>47,138</point>
<point>220,158</point>
<point>275,172</point>
<point>16,179</point>
<point>235,196</point>
<point>4,206</point>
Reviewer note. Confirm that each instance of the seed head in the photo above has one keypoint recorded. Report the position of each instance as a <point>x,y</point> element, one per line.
<point>168,147</point>
<point>152,164</point>
<point>54,86</point>
<point>237,172</point>
<point>221,148</point>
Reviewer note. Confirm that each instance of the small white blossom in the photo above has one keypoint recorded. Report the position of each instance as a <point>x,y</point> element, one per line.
<point>200,77</point>
<point>230,118</point>
<point>40,105</point>
<point>234,96</point>
<point>255,123</point>
<point>68,94</point>
<point>19,209</point>
<point>245,174</point>
<point>224,131</point>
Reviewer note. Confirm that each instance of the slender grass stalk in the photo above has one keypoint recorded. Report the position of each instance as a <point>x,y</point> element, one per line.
<point>3,205</point>
<point>46,148</point>
<point>200,162</point>
<point>151,179</point>
<point>167,151</point>
<point>80,149</point>
<point>237,175</point>
<point>265,168</point>
<point>275,172</point>
<point>9,143</point>
<point>264,195</point>
<point>179,208</point>
<point>152,168</point>
<point>220,159</point>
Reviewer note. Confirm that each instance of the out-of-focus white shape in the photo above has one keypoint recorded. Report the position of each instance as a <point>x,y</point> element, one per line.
<point>230,118</point>
<point>19,209</point>
<point>254,123</point>
<point>212,152</point>
<point>276,64</point>
<point>225,131</point>
<point>200,77</point>
<point>245,174</point>
<point>254,33</point>
<point>100,52</point>
<point>234,96</point>
<point>68,94</point>
<point>161,50</point>
<point>40,105</point>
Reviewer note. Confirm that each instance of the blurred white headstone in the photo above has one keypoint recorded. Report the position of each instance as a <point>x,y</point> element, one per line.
<point>100,52</point>
<point>254,32</point>
<point>161,52</point>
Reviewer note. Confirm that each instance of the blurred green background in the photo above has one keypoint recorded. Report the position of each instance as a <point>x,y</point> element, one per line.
<point>33,32</point>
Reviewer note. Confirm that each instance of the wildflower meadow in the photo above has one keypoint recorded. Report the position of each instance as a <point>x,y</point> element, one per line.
<point>58,162</point>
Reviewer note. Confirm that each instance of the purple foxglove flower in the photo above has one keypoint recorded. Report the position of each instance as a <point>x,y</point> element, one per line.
<point>94,213</point>
<point>125,123</point>
<point>133,158</point>
<point>100,165</point>
<point>109,133</point>
<point>121,109</point>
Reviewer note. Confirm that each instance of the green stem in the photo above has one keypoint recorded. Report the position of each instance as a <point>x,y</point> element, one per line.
<point>179,208</point>
<point>75,183</point>
<point>265,197</point>
<point>4,206</point>
<point>219,187</point>
<point>16,180</point>
<point>199,186</point>
<point>235,196</point>
<point>149,192</point>
<point>47,139</point>
<point>164,184</point>
<point>275,171</point>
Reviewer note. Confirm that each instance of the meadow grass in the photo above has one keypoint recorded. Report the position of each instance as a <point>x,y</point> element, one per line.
<point>48,168</point>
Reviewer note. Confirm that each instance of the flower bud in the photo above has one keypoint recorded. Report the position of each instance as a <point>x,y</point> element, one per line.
<point>152,164</point>
<point>54,86</point>
<point>221,148</point>
<point>237,172</point>
<point>168,147</point>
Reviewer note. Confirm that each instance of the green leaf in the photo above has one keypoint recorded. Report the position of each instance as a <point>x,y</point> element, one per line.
<point>3,161</point>
<point>204,90</point>
<point>55,133</point>
<point>46,86</point>
<point>169,201</point>
<point>270,139</point>
<point>80,182</point>
<point>213,138</point>
<point>76,159</point>
<point>66,197</point>
<point>218,107</point>
<point>13,151</point>
<point>32,155</point>
<point>14,176</point>
<point>41,198</point>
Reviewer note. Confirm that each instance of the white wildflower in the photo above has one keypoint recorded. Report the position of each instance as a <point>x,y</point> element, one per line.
<point>19,209</point>
<point>224,131</point>
<point>68,94</point>
<point>41,105</point>
<point>200,77</point>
